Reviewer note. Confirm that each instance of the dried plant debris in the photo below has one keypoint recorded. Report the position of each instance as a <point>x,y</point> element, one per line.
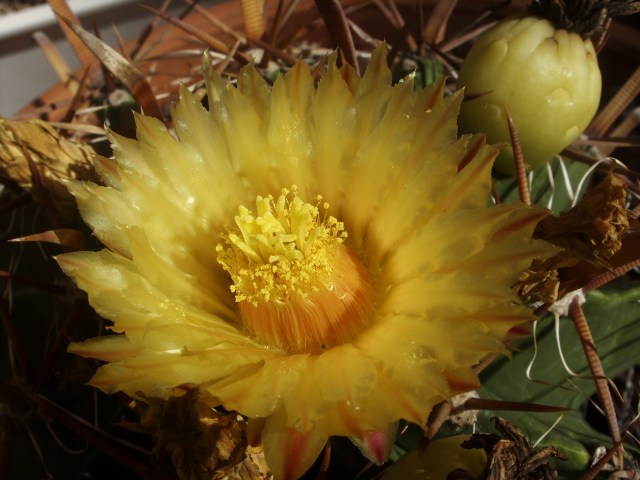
<point>590,232</point>
<point>510,455</point>
<point>587,17</point>
<point>39,159</point>
<point>203,443</point>
<point>539,284</point>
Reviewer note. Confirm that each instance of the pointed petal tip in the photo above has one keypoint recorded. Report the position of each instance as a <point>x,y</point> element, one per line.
<point>289,452</point>
<point>376,445</point>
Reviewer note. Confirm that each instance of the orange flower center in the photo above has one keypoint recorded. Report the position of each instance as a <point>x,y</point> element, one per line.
<point>299,288</point>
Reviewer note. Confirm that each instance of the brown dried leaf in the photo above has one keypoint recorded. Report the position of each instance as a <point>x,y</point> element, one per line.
<point>253,467</point>
<point>35,144</point>
<point>540,283</point>
<point>203,443</point>
<point>592,230</point>
<point>510,456</point>
<point>66,18</point>
<point>121,68</point>
<point>590,233</point>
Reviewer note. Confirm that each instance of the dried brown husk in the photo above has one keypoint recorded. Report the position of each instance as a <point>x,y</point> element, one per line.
<point>591,232</point>
<point>204,443</point>
<point>39,159</point>
<point>510,455</point>
<point>586,17</point>
<point>539,284</point>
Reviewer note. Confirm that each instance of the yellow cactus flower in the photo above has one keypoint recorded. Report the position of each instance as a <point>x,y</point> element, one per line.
<point>321,258</point>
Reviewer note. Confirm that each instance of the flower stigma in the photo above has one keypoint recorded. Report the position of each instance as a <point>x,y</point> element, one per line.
<point>298,286</point>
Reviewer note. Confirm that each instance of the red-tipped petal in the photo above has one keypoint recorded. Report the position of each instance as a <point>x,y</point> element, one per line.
<point>376,446</point>
<point>290,453</point>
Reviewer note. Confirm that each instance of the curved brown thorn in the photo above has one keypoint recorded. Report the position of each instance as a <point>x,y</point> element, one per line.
<point>205,38</point>
<point>607,277</point>
<point>336,22</point>
<point>125,71</point>
<point>521,173</point>
<point>144,36</point>
<point>622,262</point>
<point>77,97</point>
<point>436,27</point>
<point>621,100</point>
<point>622,131</point>
<point>595,365</point>
<point>599,465</point>
<point>215,21</point>
<point>253,14</point>
<point>276,23</point>
<point>395,18</point>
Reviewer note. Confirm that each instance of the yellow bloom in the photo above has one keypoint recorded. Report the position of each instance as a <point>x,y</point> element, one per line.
<point>321,260</point>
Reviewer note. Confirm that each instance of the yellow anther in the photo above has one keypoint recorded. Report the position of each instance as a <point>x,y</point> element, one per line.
<point>286,249</point>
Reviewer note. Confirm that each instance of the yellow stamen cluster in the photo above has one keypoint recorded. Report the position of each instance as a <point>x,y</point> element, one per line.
<point>284,250</point>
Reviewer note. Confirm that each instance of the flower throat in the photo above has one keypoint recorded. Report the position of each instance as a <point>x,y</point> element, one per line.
<point>299,288</point>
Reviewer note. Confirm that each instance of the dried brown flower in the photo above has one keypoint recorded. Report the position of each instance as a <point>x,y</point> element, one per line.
<point>539,284</point>
<point>590,232</point>
<point>510,455</point>
<point>204,443</point>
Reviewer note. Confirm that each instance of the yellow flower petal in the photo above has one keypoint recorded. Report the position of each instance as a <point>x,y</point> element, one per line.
<point>331,122</point>
<point>107,212</point>
<point>289,452</point>
<point>111,348</point>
